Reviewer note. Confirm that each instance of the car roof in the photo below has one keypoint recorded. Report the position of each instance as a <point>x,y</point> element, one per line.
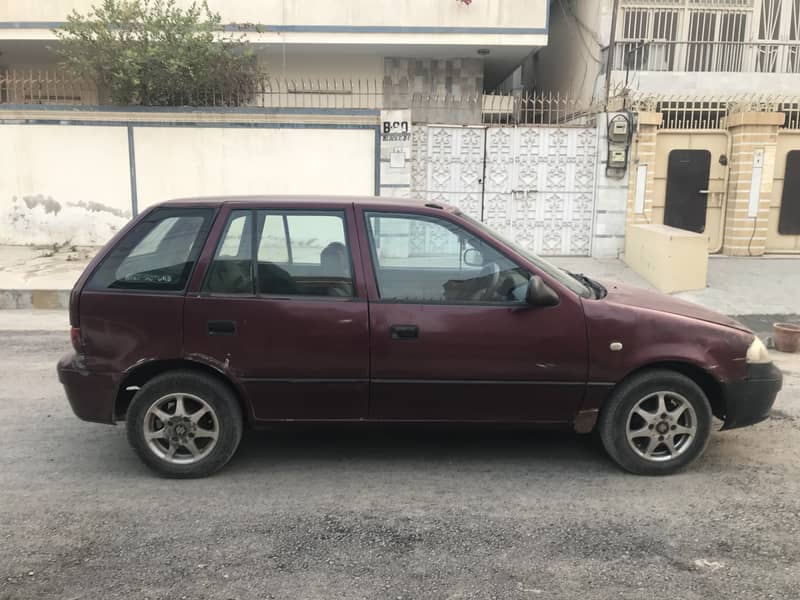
<point>308,201</point>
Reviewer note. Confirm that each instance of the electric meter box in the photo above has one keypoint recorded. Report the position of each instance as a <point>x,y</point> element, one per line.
<point>619,130</point>
<point>617,158</point>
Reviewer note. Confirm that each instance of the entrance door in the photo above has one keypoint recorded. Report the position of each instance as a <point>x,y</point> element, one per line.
<point>534,184</point>
<point>687,189</point>
<point>451,336</point>
<point>789,221</point>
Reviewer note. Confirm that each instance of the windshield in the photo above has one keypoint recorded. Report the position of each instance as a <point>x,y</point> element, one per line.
<point>549,268</point>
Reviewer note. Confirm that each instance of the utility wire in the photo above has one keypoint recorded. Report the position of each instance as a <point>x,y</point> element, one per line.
<point>580,25</point>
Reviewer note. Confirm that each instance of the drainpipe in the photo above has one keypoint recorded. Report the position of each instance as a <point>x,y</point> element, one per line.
<point>723,213</point>
<point>611,41</point>
<point>483,174</point>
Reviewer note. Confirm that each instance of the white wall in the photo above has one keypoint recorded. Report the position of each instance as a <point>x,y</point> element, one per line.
<point>62,184</point>
<point>174,162</point>
<point>284,62</point>
<point>572,61</point>
<point>70,184</point>
<point>668,82</point>
<point>611,200</point>
<point>447,13</point>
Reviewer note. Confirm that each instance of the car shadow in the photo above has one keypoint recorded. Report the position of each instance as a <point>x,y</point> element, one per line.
<point>419,445</point>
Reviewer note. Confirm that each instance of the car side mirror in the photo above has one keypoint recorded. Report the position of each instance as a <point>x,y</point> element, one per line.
<point>473,258</point>
<point>540,294</point>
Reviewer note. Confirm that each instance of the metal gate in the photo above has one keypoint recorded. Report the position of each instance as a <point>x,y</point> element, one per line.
<point>533,184</point>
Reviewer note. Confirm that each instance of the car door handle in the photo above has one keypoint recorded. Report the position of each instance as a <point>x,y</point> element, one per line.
<point>404,332</point>
<point>222,328</point>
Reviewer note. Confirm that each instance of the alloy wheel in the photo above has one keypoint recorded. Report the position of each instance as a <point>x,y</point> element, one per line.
<point>181,428</point>
<point>661,426</point>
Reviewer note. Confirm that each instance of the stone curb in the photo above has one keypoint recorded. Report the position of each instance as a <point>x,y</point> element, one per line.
<point>26,299</point>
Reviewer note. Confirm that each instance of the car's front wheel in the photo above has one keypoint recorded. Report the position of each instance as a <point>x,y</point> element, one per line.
<point>656,422</point>
<point>184,424</point>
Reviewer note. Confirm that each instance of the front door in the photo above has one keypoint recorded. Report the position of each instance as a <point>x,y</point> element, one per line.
<point>279,310</point>
<point>451,335</point>
<point>687,189</point>
<point>789,218</point>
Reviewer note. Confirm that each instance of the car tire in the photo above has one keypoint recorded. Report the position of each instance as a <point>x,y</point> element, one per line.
<point>655,423</point>
<point>184,424</point>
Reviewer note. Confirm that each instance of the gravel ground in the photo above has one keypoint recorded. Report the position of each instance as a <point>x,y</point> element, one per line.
<point>385,513</point>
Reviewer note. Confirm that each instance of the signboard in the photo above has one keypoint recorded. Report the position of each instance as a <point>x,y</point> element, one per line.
<point>396,126</point>
<point>395,168</point>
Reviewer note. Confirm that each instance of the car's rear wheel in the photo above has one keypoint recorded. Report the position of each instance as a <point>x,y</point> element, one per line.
<point>656,423</point>
<point>184,424</point>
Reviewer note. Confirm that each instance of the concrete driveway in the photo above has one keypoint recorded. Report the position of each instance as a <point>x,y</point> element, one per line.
<point>382,513</point>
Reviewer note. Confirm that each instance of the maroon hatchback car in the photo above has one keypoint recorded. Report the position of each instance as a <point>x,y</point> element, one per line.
<point>202,316</point>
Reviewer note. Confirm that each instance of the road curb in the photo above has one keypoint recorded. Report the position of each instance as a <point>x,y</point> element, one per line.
<point>27,299</point>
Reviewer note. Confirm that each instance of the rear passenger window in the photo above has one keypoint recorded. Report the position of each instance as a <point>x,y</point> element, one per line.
<point>303,254</point>
<point>158,254</point>
<point>231,271</point>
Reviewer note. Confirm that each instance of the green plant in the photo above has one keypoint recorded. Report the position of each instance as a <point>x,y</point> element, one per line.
<point>153,53</point>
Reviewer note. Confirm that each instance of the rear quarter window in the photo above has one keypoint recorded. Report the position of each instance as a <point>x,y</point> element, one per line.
<point>158,254</point>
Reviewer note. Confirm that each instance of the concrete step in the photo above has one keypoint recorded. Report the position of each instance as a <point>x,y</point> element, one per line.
<point>41,299</point>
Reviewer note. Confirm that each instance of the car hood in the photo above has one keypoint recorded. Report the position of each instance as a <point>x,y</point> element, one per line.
<point>630,295</point>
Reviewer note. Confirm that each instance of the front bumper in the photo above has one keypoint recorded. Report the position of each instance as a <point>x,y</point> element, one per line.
<point>749,401</point>
<point>91,395</point>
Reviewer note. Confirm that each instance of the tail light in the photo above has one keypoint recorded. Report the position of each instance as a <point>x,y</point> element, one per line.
<point>75,337</point>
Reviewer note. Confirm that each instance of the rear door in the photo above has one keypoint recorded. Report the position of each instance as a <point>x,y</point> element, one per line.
<point>280,308</point>
<point>452,338</point>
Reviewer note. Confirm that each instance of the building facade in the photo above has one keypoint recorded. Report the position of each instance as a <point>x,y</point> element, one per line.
<point>678,112</point>
<point>711,88</point>
<point>445,48</point>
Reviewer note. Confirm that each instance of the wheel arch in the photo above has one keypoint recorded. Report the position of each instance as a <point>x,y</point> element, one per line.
<point>140,374</point>
<point>710,385</point>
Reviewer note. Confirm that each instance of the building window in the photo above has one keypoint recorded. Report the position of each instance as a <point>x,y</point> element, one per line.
<point>707,35</point>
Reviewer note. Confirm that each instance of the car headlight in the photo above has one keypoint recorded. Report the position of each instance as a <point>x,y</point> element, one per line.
<point>757,353</point>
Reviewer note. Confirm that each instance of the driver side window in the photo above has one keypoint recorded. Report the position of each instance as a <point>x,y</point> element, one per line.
<point>430,260</point>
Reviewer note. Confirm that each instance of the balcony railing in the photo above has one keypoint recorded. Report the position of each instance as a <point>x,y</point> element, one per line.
<point>716,57</point>
<point>57,88</point>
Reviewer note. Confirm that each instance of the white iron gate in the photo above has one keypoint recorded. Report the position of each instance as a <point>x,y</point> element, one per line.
<point>533,184</point>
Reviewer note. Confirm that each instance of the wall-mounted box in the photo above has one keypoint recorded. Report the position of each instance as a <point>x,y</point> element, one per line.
<point>617,158</point>
<point>618,131</point>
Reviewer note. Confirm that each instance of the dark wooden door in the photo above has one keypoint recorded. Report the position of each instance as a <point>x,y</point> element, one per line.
<point>789,222</point>
<point>687,189</point>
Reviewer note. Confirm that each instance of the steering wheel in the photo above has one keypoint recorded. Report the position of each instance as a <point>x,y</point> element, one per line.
<point>492,272</point>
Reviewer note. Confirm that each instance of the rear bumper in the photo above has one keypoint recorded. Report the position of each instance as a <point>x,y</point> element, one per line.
<point>749,401</point>
<point>91,395</point>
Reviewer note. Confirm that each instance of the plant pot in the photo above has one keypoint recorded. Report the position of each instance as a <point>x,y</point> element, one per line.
<point>786,337</point>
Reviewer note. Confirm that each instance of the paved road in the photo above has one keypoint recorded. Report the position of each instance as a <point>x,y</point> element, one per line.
<point>385,514</point>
